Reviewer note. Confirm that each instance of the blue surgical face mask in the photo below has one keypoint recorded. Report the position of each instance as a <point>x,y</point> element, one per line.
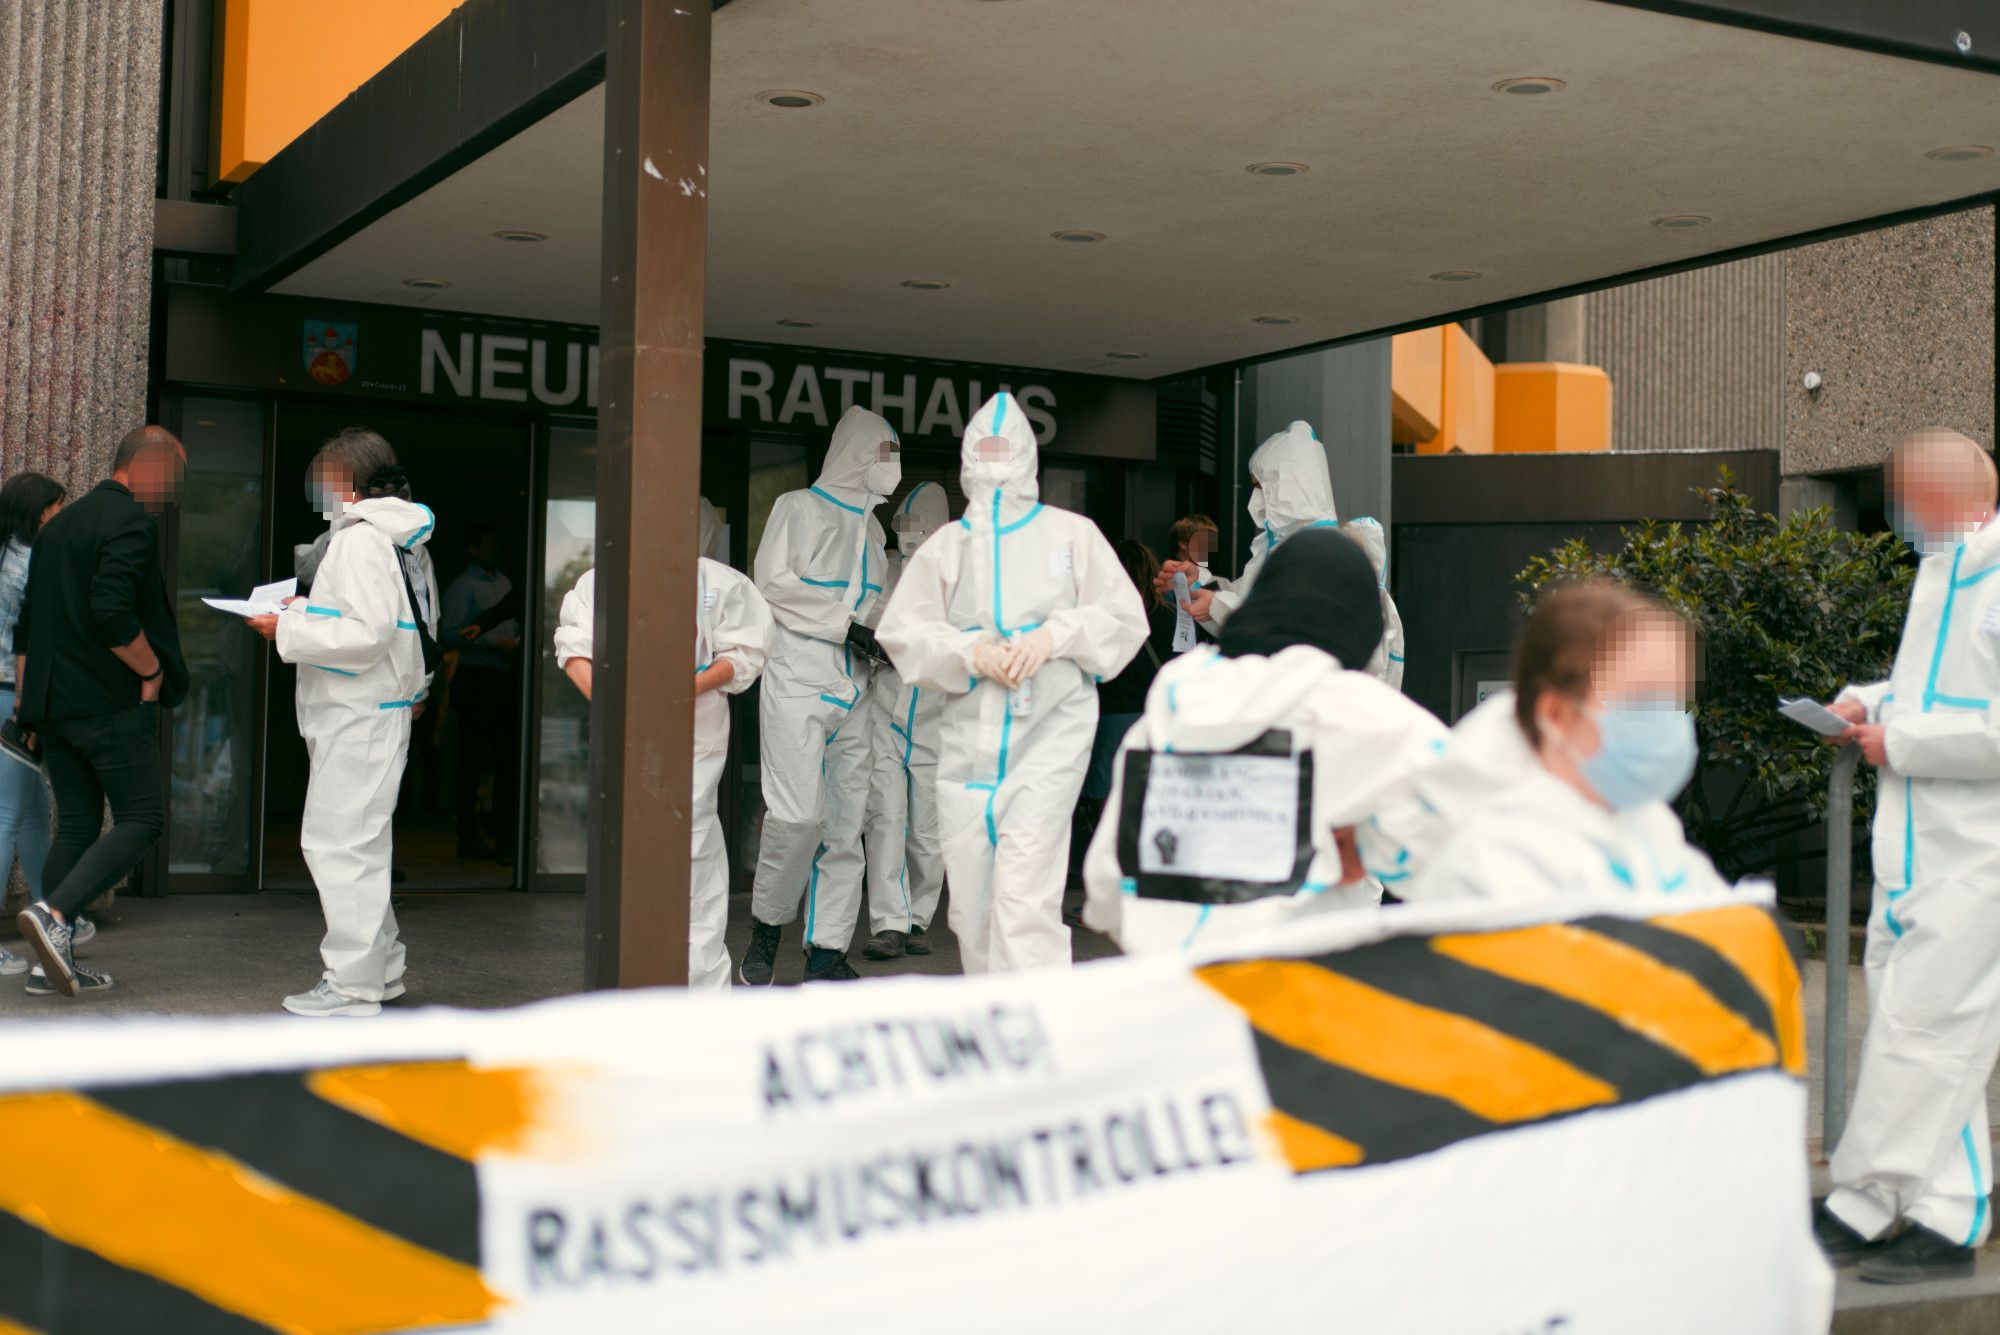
<point>1925,542</point>
<point>1645,753</point>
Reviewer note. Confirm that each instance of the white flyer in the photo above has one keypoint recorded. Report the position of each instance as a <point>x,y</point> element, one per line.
<point>1226,817</point>
<point>264,600</point>
<point>1183,619</point>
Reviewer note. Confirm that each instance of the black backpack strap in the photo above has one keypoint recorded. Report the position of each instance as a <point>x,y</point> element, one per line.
<point>432,654</point>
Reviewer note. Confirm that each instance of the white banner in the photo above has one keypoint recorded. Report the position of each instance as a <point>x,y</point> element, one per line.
<point>1473,1121</point>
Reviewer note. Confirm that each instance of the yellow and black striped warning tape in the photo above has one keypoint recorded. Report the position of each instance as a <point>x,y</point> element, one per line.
<point>1398,1048</point>
<point>308,1202</point>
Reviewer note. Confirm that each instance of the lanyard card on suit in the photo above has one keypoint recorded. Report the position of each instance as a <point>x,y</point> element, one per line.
<point>1217,827</point>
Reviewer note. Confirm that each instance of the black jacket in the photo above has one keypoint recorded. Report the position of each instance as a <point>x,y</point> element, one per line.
<point>1126,692</point>
<point>95,582</point>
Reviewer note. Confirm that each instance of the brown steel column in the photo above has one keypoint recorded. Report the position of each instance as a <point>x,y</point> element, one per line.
<point>648,482</point>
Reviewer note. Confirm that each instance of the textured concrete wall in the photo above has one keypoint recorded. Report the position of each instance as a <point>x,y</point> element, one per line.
<point>79,109</point>
<point>1899,325</point>
<point>1344,393</point>
<point>1696,359</point>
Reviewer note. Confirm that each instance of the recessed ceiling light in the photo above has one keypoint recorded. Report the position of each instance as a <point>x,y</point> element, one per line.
<point>1270,319</point>
<point>926,284</point>
<point>1126,356</point>
<point>1077,234</point>
<point>1456,275</point>
<point>514,234</point>
<point>1277,169</point>
<point>427,284</point>
<point>206,421</point>
<point>792,99</point>
<point>1960,153</point>
<point>1680,222</point>
<point>791,323</point>
<point>1530,85</point>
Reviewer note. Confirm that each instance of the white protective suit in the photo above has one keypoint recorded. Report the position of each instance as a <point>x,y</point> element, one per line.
<point>1916,1143</point>
<point>1294,491</point>
<point>731,622</point>
<point>819,567</point>
<point>1477,761</point>
<point>361,672</point>
<point>1387,664</point>
<point>1363,739</point>
<point>905,861</point>
<point>1538,837</point>
<point>1008,780</point>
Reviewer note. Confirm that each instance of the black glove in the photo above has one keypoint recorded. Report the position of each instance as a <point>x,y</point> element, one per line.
<point>862,641</point>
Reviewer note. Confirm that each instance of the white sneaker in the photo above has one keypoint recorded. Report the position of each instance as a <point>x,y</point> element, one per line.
<point>11,964</point>
<point>82,931</point>
<point>323,1002</point>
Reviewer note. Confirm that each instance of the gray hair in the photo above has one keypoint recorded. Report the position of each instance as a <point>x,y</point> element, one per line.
<point>369,460</point>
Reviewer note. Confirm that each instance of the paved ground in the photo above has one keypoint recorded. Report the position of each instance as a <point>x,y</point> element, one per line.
<point>241,954</point>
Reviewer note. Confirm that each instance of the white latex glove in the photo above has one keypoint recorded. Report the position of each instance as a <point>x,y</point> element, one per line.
<point>994,660</point>
<point>1030,652</point>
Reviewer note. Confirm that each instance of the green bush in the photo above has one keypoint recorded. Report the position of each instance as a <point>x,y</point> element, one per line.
<point>1783,607</point>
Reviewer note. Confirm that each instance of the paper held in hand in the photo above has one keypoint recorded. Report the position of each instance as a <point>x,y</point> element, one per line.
<point>264,600</point>
<point>1813,715</point>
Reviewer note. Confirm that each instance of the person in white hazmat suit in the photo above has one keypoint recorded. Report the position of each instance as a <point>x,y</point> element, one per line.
<point>732,627</point>
<point>1386,664</point>
<point>1013,613</point>
<point>1602,679</point>
<point>819,567</point>
<point>905,861</point>
<point>357,639</point>
<point>1293,492</point>
<point>1291,749</point>
<point>1916,1148</point>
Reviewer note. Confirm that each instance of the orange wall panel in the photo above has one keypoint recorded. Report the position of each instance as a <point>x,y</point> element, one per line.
<point>286,63</point>
<point>1467,410</point>
<point>1551,408</point>
<point>1416,385</point>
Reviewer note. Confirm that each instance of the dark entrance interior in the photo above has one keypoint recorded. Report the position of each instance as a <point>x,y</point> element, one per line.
<point>474,473</point>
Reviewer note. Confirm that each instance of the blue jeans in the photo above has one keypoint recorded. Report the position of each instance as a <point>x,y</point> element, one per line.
<point>24,814</point>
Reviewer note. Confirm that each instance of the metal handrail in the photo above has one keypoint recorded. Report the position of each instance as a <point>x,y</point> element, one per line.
<point>1839,912</point>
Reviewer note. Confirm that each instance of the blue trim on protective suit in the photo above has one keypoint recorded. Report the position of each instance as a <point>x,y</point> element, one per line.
<point>835,500</point>
<point>430,522</point>
<point>1979,1192</point>
<point>317,611</point>
<point>338,672</point>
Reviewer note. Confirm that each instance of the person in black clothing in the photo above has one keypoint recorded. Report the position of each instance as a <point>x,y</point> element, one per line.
<point>1121,700</point>
<point>97,653</point>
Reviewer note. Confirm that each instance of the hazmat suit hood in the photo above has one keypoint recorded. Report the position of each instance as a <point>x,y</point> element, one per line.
<point>405,523</point>
<point>923,512</point>
<point>1293,487</point>
<point>854,471</point>
<point>710,543</point>
<point>1204,702</point>
<point>982,476</point>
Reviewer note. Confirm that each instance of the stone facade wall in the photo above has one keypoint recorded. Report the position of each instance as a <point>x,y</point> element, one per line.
<point>79,112</point>
<point>1899,326</point>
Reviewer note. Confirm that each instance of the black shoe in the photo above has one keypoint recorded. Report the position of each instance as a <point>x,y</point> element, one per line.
<point>1915,1255</point>
<point>917,943</point>
<point>1842,1245</point>
<point>17,744</point>
<point>887,945</point>
<point>87,981</point>
<point>755,971</point>
<point>828,966</point>
<point>51,941</point>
